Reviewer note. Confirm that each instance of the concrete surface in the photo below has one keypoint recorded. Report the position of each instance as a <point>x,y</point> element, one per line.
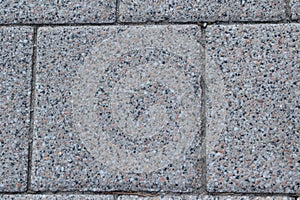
<point>205,197</point>
<point>112,111</point>
<point>204,10</point>
<point>56,12</point>
<point>132,197</point>
<point>57,197</point>
<point>295,9</point>
<point>16,49</point>
<point>253,117</point>
<point>132,99</point>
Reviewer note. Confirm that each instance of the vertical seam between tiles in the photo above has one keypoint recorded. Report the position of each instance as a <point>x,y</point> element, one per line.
<point>32,102</point>
<point>288,10</point>
<point>203,110</point>
<point>117,11</point>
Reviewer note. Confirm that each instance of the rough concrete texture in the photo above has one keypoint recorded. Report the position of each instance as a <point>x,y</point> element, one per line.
<point>54,12</point>
<point>15,65</point>
<point>253,114</point>
<point>295,9</point>
<point>204,10</point>
<point>249,197</point>
<point>131,197</point>
<point>167,197</point>
<point>56,197</point>
<point>118,108</point>
<point>205,197</point>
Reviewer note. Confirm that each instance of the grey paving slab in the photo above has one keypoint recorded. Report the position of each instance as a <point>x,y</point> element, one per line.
<point>56,197</point>
<point>205,197</point>
<point>253,114</point>
<point>205,10</point>
<point>249,197</point>
<point>15,76</point>
<point>167,197</point>
<point>295,9</point>
<point>233,197</point>
<point>55,12</point>
<point>118,108</point>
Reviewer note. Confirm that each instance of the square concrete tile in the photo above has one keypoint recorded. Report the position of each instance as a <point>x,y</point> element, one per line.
<point>118,108</point>
<point>56,197</point>
<point>204,10</point>
<point>16,49</point>
<point>253,113</point>
<point>295,9</point>
<point>55,12</point>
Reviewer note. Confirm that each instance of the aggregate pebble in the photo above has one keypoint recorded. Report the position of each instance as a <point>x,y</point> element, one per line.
<point>15,75</point>
<point>295,9</point>
<point>55,12</point>
<point>253,113</point>
<point>118,108</point>
<point>204,10</point>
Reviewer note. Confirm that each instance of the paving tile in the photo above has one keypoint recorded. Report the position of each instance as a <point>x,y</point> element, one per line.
<point>15,77</point>
<point>267,198</point>
<point>250,197</point>
<point>204,197</point>
<point>207,10</point>
<point>167,197</point>
<point>53,12</point>
<point>56,197</point>
<point>295,8</point>
<point>118,108</point>
<point>253,113</point>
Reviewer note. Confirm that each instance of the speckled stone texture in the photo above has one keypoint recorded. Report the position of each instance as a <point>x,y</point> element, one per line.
<point>253,113</point>
<point>167,197</point>
<point>205,197</point>
<point>250,197</point>
<point>118,108</point>
<point>15,75</point>
<point>201,10</point>
<point>295,9</point>
<point>131,197</point>
<point>54,12</point>
<point>56,197</point>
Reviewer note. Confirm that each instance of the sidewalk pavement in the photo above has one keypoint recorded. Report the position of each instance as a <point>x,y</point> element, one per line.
<point>171,99</point>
